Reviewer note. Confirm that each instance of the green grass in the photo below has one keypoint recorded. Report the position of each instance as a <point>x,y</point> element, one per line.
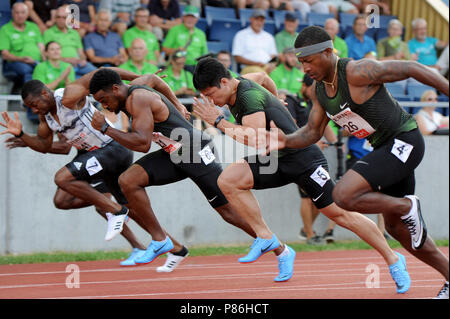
<point>193,251</point>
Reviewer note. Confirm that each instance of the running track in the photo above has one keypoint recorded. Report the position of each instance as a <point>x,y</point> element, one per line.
<point>318,275</point>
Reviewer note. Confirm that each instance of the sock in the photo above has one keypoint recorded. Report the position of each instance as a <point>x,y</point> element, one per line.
<point>284,253</point>
<point>122,211</point>
<point>182,253</point>
<point>162,241</point>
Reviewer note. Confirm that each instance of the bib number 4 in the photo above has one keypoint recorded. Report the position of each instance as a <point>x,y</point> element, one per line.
<point>401,150</point>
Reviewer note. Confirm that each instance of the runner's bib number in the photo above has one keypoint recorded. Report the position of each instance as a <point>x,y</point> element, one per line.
<point>166,143</point>
<point>353,123</point>
<point>401,150</point>
<point>320,176</point>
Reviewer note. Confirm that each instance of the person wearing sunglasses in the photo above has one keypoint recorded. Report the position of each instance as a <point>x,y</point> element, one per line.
<point>428,119</point>
<point>179,80</point>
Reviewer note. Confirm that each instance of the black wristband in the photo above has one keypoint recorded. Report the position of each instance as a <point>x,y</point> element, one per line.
<point>104,127</point>
<point>218,119</point>
<point>20,134</point>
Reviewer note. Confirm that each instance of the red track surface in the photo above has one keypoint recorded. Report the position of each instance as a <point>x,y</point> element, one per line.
<point>318,275</point>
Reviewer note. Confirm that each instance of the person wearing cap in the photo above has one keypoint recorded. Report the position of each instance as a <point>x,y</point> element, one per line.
<point>179,80</point>
<point>253,46</point>
<point>286,38</point>
<point>287,75</point>
<point>187,37</point>
<point>142,30</point>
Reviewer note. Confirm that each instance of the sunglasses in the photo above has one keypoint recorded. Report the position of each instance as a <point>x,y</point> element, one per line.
<point>180,54</point>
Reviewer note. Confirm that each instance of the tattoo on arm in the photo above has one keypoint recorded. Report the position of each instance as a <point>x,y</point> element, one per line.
<point>367,72</point>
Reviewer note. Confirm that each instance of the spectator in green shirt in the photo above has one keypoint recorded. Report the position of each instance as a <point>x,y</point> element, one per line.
<point>137,63</point>
<point>70,41</point>
<point>392,47</point>
<point>286,38</point>
<point>21,45</point>
<point>340,46</point>
<point>54,73</point>
<point>287,75</point>
<point>186,37</point>
<point>179,80</point>
<point>142,30</point>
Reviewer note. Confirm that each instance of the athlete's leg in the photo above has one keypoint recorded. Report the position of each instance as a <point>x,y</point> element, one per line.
<point>133,182</point>
<point>82,190</point>
<point>236,182</point>
<point>362,226</point>
<point>232,217</point>
<point>353,192</point>
<point>64,200</point>
<point>429,253</point>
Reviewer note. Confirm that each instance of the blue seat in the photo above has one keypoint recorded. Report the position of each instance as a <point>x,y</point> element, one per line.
<point>224,30</point>
<point>318,18</point>
<point>202,24</point>
<point>384,20</point>
<point>415,90</point>
<point>213,13</point>
<point>381,33</point>
<point>5,17</point>
<point>346,19</point>
<point>5,5</point>
<point>270,27</point>
<point>395,89</point>
<point>217,46</point>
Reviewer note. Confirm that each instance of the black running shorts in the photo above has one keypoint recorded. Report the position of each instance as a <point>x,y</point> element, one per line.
<point>103,164</point>
<point>315,181</point>
<point>390,167</point>
<point>162,171</point>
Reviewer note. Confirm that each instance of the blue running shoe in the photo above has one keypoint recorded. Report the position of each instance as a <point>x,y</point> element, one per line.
<point>155,249</point>
<point>130,261</point>
<point>260,247</point>
<point>286,266</point>
<point>400,274</point>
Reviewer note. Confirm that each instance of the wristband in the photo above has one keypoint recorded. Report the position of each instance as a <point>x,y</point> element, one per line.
<point>20,134</point>
<point>218,119</point>
<point>104,127</point>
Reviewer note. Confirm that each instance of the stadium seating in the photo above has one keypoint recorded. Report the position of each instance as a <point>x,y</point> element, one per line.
<point>346,19</point>
<point>224,30</point>
<point>217,13</point>
<point>318,18</point>
<point>216,46</point>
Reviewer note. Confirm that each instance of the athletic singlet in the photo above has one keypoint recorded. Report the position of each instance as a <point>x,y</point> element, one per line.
<point>76,125</point>
<point>252,98</point>
<point>378,119</point>
<point>175,132</point>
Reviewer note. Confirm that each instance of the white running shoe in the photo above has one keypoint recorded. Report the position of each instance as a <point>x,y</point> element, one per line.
<point>415,223</point>
<point>443,294</point>
<point>115,225</point>
<point>171,263</point>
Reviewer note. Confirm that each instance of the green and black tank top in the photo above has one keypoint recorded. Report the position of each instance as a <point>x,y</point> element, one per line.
<point>252,98</point>
<point>378,119</point>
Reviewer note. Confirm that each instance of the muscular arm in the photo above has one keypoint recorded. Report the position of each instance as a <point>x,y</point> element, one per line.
<point>253,127</point>
<point>42,142</point>
<point>264,80</point>
<point>155,82</point>
<point>370,72</point>
<point>313,130</point>
<point>78,90</point>
<point>139,105</point>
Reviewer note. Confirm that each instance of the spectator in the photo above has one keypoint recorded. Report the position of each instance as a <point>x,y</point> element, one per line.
<point>54,72</point>
<point>179,80</point>
<point>428,120</point>
<point>360,45</point>
<point>142,30</point>
<point>121,13</point>
<point>286,38</point>
<point>70,41</point>
<point>137,62</point>
<point>422,47</point>
<point>42,12</point>
<point>253,46</point>
<point>347,6</point>
<point>187,37</point>
<point>104,47</point>
<point>224,57</point>
<point>87,15</point>
<point>307,6</point>
<point>340,46</point>
<point>392,47</point>
<point>442,63</point>
<point>164,14</point>
<point>21,45</point>
<point>287,75</point>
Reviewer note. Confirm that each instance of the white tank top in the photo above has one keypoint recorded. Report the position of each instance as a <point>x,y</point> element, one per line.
<point>76,125</point>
